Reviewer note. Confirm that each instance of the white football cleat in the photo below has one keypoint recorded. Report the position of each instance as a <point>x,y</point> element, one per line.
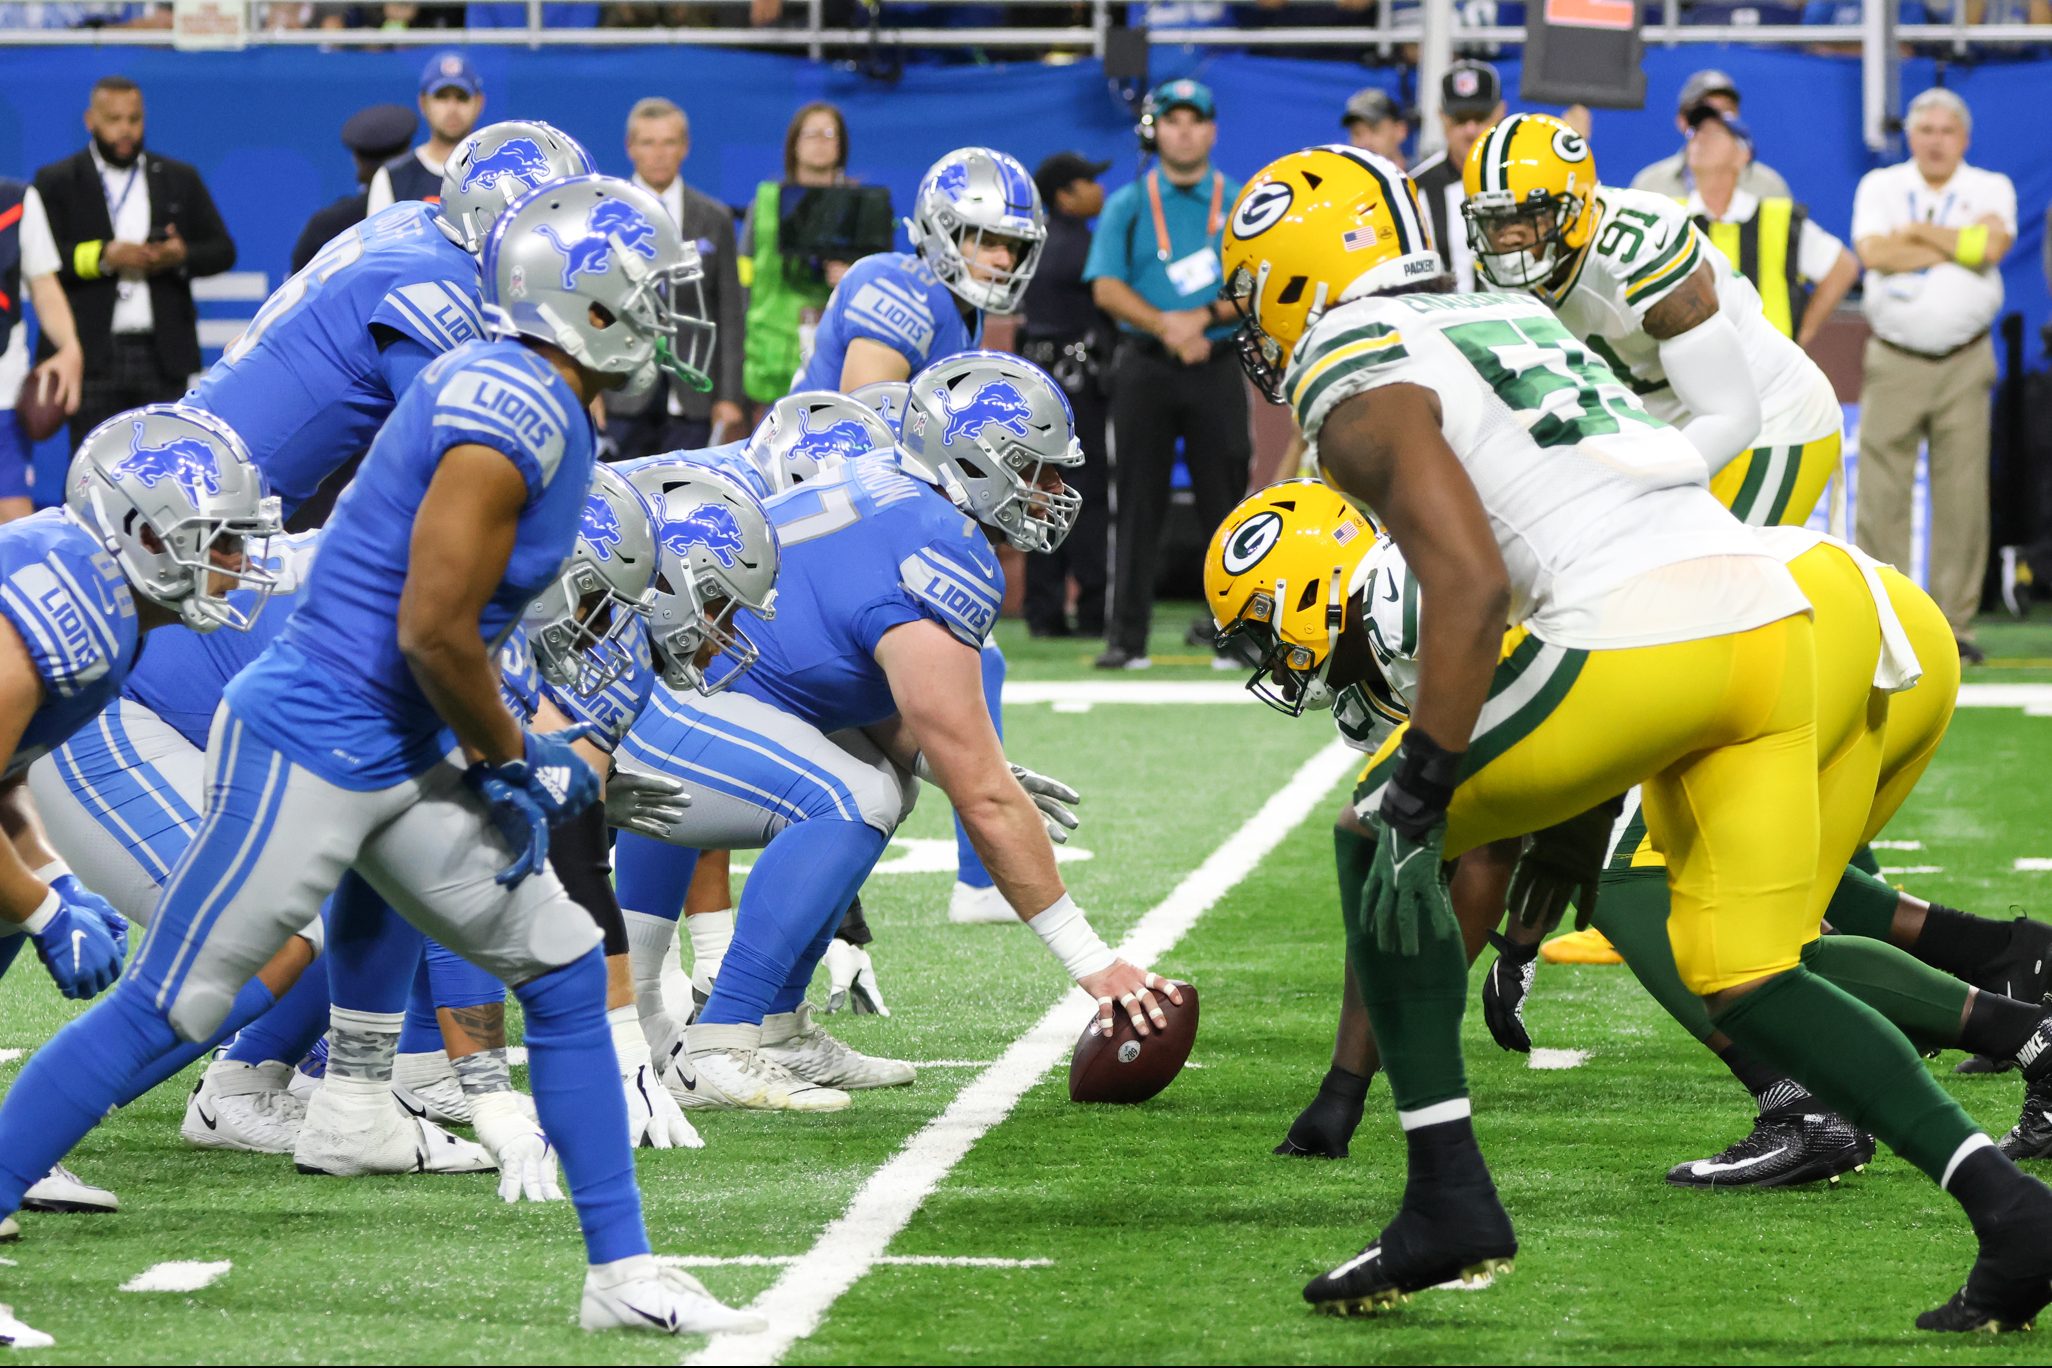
<point>851,981</point>
<point>10,1230</point>
<point>15,1335</point>
<point>728,1070</point>
<point>427,1084</point>
<point>654,1120</point>
<point>640,1294</point>
<point>350,1135</point>
<point>238,1106</point>
<point>972,906</point>
<point>62,1190</point>
<point>792,1040</point>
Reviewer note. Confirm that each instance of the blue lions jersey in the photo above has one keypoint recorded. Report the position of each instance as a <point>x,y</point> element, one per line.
<point>334,692</point>
<point>520,681</point>
<point>865,548</point>
<point>893,298</point>
<point>182,673</point>
<point>308,386</point>
<point>72,608</point>
<point>730,458</point>
<point>611,710</point>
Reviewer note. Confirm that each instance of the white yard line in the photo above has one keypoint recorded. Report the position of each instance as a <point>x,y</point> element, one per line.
<point>8,1056</point>
<point>856,1240</point>
<point>1891,871</point>
<point>180,1275</point>
<point>2034,864</point>
<point>887,1261</point>
<point>1896,845</point>
<point>1071,695</point>
<point>1557,1059</point>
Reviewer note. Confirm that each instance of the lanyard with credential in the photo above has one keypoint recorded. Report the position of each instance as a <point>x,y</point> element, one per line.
<point>1214,221</point>
<point>127,187</point>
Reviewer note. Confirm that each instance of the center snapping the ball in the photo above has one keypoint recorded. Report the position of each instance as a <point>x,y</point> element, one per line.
<point>1126,1066</point>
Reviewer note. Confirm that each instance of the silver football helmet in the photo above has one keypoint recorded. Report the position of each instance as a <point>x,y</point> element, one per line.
<point>802,432</point>
<point>595,266</point>
<point>582,625</point>
<point>971,196</point>
<point>887,397</point>
<point>716,553</point>
<point>498,164</point>
<point>165,489</point>
<point>992,428</point>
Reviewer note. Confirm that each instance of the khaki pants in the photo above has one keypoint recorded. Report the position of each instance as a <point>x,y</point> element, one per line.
<point>1907,399</point>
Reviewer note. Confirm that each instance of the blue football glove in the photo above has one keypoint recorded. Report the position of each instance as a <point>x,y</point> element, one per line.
<point>554,776</point>
<point>76,894</point>
<point>527,795</point>
<point>76,949</point>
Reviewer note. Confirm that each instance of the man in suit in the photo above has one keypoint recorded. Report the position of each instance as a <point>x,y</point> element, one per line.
<point>131,229</point>
<point>675,417</point>
<point>373,136</point>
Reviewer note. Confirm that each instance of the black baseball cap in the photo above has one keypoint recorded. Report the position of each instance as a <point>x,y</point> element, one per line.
<point>1370,105</point>
<point>1702,86</point>
<point>380,131</point>
<point>1470,88</point>
<point>1063,169</point>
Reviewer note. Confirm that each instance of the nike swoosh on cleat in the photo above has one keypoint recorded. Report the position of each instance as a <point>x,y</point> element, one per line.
<point>667,1322</point>
<point>418,1113</point>
<point>1704,1167</point>
<point>204,1118</point>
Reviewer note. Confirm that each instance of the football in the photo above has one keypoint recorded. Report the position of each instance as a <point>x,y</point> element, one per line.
<point>40,417</point>
<point>1126,1066</point>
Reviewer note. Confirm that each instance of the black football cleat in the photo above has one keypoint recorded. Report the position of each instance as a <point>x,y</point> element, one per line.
<point>2024,968</point>
<point>1471,1244</point>
<point>1783,1150</point>
<point>2011,1280</point>
<point>1974,1065</point>
<point>2031,1137</point>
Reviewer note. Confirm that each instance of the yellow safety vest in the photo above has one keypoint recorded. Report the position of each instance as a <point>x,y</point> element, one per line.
<point>1764,248</point>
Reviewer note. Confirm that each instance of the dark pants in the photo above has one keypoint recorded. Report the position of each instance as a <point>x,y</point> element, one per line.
<point>656,431</point>
<point>131,378</point>
<point>1085,553</point>
<point>1155,400</point>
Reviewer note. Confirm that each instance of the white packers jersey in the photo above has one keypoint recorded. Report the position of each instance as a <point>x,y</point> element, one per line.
<point>1643,247</point>
<point>1589,494</point>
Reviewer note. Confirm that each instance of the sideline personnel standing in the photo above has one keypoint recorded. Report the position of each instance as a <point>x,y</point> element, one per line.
<point>1154,268</point>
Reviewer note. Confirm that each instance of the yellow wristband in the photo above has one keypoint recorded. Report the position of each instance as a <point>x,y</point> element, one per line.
<point>1972,247</point>
<point>744,267</point>
<point>85,260</point>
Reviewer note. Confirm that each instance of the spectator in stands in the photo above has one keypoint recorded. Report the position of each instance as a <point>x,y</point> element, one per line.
<point>452,100</point>
<point>1373,122</point>
<point>785,296</point>
<point>131,230</point>
<point>1842,12</point>
<point>1068,336</point>
<point>675,417</point>
<point>1670,175</point>
<point>373,136</point>
<point>1932,232</point>
<point>1470,103</point>
<point>1800,270</point>
<point>28,255</point>
<point>1154,267</point>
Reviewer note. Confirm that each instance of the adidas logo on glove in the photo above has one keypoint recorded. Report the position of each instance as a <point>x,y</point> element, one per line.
<point>554,780</point>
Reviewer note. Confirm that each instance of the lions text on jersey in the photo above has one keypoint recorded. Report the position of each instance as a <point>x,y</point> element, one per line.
<point>893,298</point>
<point>333,348</point>
<point>72,608</point>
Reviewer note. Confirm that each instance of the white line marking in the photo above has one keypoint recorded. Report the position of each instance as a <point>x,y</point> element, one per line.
<point>957,1063</point>
<point>858,1237</point>
<point>1895,845</point>
<point>2034,864</point>
<point>1557,1059</point>
<point>935,855</point>
<point>1071,693</point>
<point>1075,707</point>
<point>9,1263</point>
<point>2027,696</point>
<point>180,1275</point>
<point>1912,869</point>
<point>9,1056</point>
<point>890,1260</point>
<point>516,1055</point>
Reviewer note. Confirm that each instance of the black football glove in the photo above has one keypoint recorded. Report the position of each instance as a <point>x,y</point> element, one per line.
<point>1504,992</point>
<point>1562,865</point>
<point>1322,1130</point>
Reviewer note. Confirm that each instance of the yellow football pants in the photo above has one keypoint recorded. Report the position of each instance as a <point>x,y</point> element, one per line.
<point>1722,735</point>
<point>1778,486</point>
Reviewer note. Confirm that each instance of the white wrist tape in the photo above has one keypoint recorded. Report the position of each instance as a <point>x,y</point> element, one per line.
<point>53,871</point>
<point>45,911</point>
<point>1070,938</point>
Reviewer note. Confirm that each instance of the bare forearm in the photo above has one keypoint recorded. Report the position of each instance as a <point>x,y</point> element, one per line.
<point>1896,253</point>
<point>1825,299</point>
<point>26,850</point>
<point>1124,303</point>
<point>455,671</point>
<point>53,312</point>
<point>1456,665</point>
<point>1008,834</point>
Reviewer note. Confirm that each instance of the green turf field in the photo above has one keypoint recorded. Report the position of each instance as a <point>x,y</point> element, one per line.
<point>1160,1233</point>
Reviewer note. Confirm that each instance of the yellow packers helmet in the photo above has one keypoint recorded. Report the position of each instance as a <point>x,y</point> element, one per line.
<point>1531,188</point>
<point>1276,578</point>
<point>1315,228</point>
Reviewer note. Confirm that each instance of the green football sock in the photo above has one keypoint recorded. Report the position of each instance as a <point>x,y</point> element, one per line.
<point>1863,904</point>
<point>1851,1058</point>
<point>1631,910</point>
<point>1866,861</point>
<point>1414,1002</point>
<point>1926,1004</point>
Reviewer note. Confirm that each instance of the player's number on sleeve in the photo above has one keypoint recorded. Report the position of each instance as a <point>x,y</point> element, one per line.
<point>833,509</point>
<point>331,259</point>
<point>1612,241</point>
<point>1560,393</point>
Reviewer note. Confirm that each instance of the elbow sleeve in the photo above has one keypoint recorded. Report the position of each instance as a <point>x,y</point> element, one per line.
<point>1706,367</point>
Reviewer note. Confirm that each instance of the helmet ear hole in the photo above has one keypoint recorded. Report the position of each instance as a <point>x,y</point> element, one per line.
<point>1293,291</point>
<point>1309,598</point>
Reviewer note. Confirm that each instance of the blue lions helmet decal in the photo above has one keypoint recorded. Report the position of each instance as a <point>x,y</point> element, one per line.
<point>187,462</point>
<point>997,402</point>
<point>589,252</point>
<point>520,158</point>
<point>599,527</point>
<point>709,526</point>
<point>845,439</point>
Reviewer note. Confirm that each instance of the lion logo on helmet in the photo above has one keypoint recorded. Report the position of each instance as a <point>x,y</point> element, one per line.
<point>997,402</point>
<point>590,252</point>
<point>847,439</point>
<point>519,158</point>
<point>188,462</point>
<point>599,527</point>
<point>714,529</point>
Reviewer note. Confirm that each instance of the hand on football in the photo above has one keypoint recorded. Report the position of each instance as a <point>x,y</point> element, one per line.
<point>1132,988</point>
